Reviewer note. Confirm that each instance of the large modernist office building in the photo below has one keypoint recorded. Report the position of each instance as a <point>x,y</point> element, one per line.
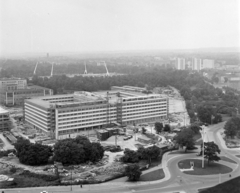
<point>13,91</point>
<point>63,116</point>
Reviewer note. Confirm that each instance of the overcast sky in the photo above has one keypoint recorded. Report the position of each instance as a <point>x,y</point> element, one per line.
<point>117,25</point>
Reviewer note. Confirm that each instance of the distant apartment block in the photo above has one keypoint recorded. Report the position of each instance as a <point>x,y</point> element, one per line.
<point>197,64</point>
<point>194,64</point>
<point>13,91</point>
<point>180,64</point>
<point>64,116</point>
<point>4,119</point>
<point>208,64</point>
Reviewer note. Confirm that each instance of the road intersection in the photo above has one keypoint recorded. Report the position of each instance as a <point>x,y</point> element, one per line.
<point>174,181</point>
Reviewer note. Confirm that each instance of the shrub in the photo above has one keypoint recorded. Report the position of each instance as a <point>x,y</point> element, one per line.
<point>133,172</point>
<point>13,170</point>
<point>32,154</point>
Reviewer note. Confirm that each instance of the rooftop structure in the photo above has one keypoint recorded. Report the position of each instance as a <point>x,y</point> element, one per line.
<point>66,115</point>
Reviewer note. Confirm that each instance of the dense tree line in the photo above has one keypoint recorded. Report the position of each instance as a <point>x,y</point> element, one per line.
<point>68,151</point>
<point>24,69</point>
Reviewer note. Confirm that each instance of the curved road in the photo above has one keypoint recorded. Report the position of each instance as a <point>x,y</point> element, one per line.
<point>176,182</point>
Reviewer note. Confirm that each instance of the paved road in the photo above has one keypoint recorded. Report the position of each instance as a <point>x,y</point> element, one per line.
<point>7,144</point>
<point>173,183</point>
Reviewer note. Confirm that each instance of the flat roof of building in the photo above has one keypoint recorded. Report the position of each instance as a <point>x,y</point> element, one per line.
<point>13,78</point>
<point>81,97</point>
<point>36,87</point>
<point>3,111</point>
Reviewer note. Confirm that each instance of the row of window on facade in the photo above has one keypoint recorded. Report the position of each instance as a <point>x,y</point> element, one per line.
<point>104,120</point>
<point>111,111</point>
<point>104,108</point>
<point>129,113</point>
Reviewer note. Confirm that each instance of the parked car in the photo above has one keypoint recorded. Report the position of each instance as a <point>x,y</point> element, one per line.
<point>130,136</point>
<point>121,133</point>
<point>127,137</point>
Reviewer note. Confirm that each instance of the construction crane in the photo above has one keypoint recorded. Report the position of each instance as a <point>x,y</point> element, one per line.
<point>85,71</point>
<point>34,72</point>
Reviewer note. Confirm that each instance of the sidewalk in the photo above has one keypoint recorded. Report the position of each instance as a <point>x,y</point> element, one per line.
<point>107,185</point>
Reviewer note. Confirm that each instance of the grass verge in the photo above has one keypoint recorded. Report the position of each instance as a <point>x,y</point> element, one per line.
<point>226,159</point>
<point>229,186</point>
<point>152,176</point>
<point>212,168</point>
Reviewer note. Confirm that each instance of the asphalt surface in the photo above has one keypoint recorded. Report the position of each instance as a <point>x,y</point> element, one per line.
<point>175,182</point>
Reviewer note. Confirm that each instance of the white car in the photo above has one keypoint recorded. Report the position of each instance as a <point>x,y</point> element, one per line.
<point>44,191</point>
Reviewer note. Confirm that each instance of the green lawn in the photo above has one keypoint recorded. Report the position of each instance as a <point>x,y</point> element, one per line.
<point>200,142</point>
<point>154,175</point>
<point>154,163</point>
<point>197,136</point>
<point>224,158</point>
<point>212,168</point>
<point>231,186</point>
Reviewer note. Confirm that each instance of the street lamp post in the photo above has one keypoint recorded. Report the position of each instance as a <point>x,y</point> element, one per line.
<point>71,178</point>
<point>203,132</point>
<point>116,139</point>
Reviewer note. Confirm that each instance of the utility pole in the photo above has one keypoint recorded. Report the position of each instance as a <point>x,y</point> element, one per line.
<point>203,127</point>
<point>116,140</point>
<point>71,178</point>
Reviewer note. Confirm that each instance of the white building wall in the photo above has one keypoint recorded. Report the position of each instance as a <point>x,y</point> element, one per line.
<point>180,63</point>
<point>197,64</point>
<point>208,63</point>
<point>37,117</point>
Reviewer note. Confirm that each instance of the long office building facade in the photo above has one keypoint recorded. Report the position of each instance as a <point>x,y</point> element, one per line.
<point>64,116</point>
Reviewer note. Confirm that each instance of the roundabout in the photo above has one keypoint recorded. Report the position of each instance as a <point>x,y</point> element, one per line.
<point>211,169</point>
